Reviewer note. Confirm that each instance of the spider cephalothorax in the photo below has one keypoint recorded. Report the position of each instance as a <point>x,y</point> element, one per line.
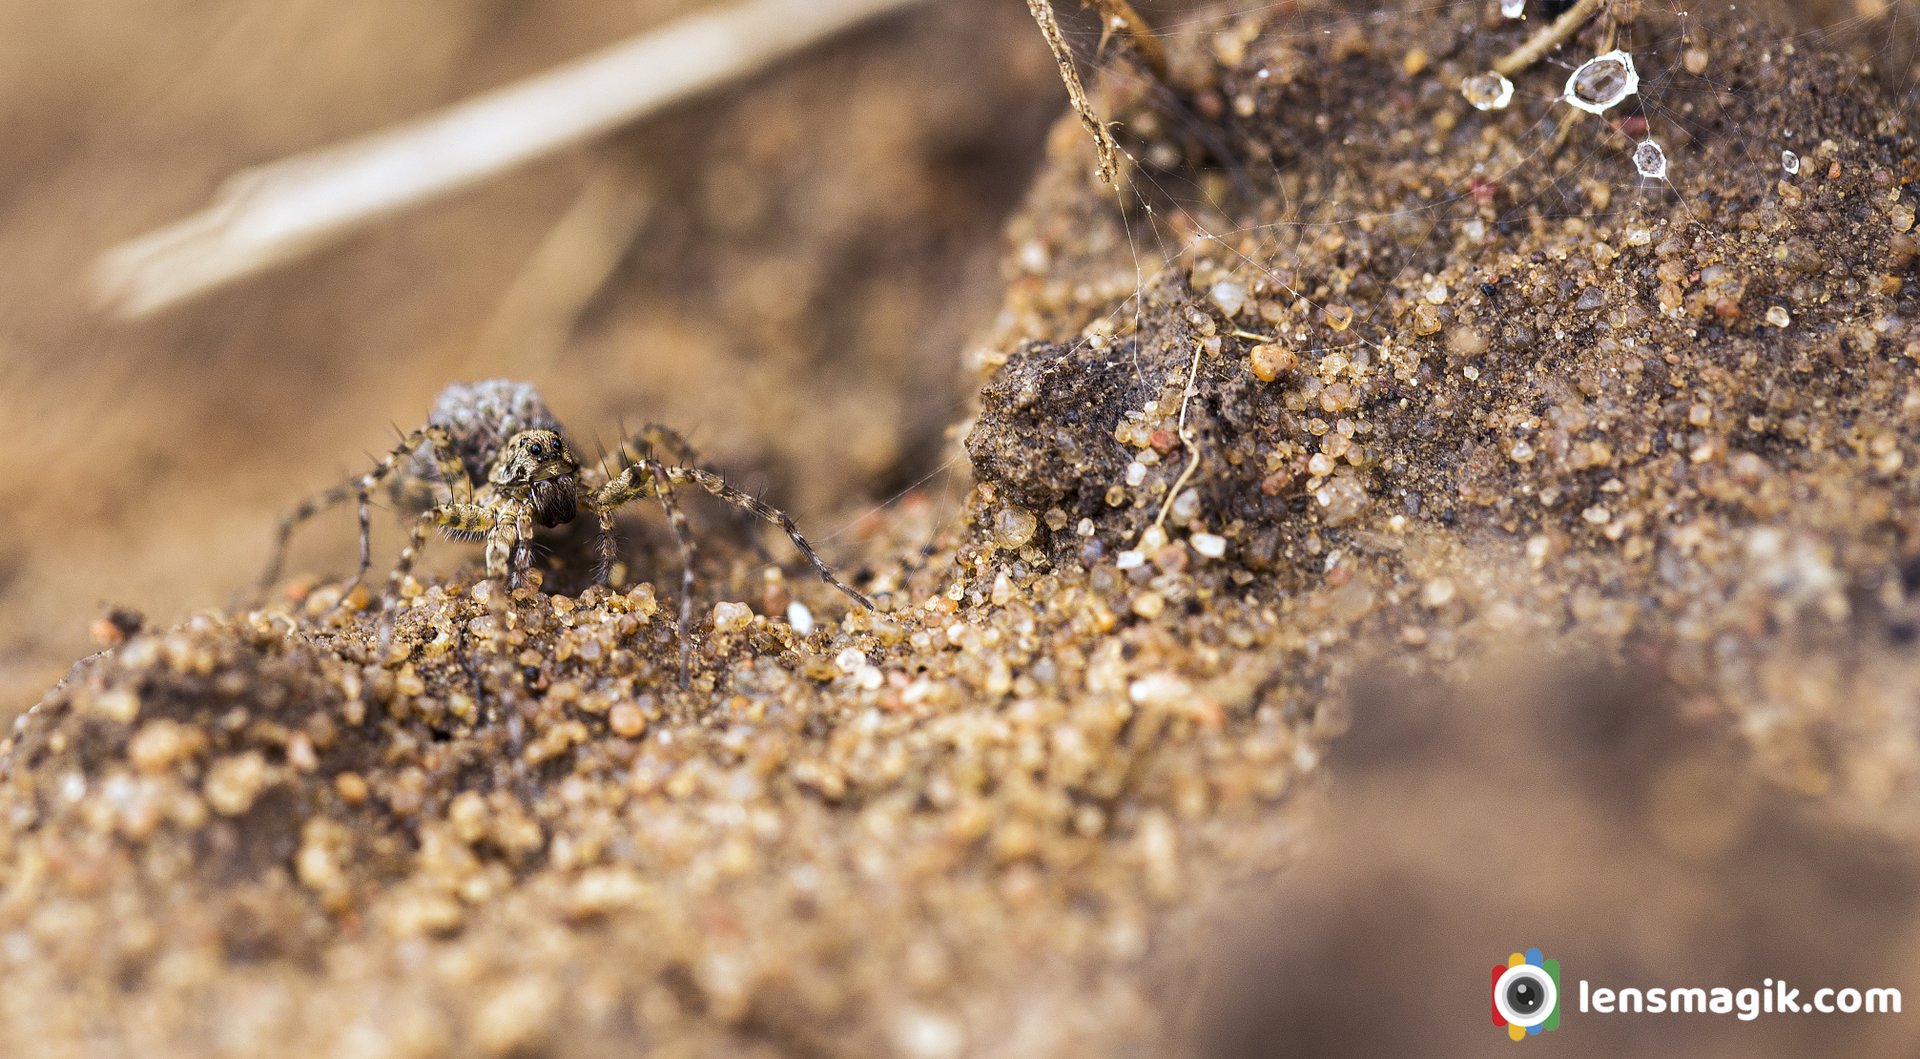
<point>501,433</point>
<point>537,465</point>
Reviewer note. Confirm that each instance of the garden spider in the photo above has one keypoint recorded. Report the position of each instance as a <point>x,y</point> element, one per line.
<point>501,433</point>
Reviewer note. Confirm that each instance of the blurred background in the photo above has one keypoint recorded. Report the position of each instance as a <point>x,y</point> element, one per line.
<point>785,270</point>
<point>789,270</point>
<point>1581,811</point>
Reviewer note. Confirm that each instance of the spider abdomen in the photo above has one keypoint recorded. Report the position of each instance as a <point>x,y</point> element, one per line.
<point>479,417</point>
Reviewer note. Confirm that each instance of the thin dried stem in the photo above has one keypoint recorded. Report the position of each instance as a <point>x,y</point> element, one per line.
<point>276,212</point>
<point>540,309</point>
<point>1186,439</point>
<point>1145,41</point>
<point>1548,38</point>
<point>1103,144</point>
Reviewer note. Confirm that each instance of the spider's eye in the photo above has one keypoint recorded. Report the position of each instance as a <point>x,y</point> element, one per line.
<point>538,451</point>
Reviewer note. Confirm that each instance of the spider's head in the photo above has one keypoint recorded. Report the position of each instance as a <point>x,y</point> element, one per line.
<point>537,464</point>
<point>531,457</point>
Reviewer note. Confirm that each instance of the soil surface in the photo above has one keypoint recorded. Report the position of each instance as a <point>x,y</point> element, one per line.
<point>1579,505</point>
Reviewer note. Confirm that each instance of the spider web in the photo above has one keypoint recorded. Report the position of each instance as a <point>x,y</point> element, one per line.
<point>1658,113</point>
<point>1165,209</point>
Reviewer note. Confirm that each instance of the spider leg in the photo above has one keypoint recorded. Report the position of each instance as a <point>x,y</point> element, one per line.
<point>305,510</point>
<point>650,479</point>
<point>670,446</point>
<point>514,533</point>
<point>360,489</point>
<point>607,550</point>
<point>458,520</point>
<point>634,451</point>
<point>652,439</point>
<point>646,444</point>
<point>745,521</point>
<point>718,486</point>
<point>365,513</point>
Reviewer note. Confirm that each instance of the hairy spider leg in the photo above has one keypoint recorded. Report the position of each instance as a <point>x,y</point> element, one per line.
<point>633,452</point>
<point>672,447</point>
<point>623,489</point>
<point>360,489</point>
<point>648,479</point>
<point>464,520</point>
<point>745,501</point>
<point>653,439</point>
<point>511,543</point>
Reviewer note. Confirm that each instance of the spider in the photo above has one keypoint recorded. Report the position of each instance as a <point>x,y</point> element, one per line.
<point>501,434</point>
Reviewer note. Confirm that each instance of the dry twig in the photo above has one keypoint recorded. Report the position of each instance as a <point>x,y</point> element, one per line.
<point>1122,14</point>
<point>1103,144</point>
<point>1550,36</point>
<point>1186,439</point>
<point>279,211</point>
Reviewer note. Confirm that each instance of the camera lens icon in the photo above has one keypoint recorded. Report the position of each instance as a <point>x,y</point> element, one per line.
<point>1526,994</point>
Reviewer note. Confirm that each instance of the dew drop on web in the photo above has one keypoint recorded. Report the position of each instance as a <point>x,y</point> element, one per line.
<point>1602,82</point>
<point>1651,160</point>
<point>1790,162</point>
<point>1487,91</point>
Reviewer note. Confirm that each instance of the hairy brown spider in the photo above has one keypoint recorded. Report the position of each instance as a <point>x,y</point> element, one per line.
<point>501,433</point>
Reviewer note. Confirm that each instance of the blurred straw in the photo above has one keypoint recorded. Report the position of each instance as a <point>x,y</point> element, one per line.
<point>1120,13</point>
<point>276,212</point>
<point>542,307</point>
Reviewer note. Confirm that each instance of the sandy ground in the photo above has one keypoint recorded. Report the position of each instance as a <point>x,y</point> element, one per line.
<point>1439,546</point>
<point>820,242</point>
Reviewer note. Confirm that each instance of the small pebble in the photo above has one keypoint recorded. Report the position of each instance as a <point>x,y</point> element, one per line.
<point>800,617</point>
<point>1268,362</point>
<point>233,783</point>
<point>1014,526</point>
<point>117,704</point>
<point>627,720</point>
<point>1159,689</point>
<point>731,617</point>
<point>1230,297</point>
